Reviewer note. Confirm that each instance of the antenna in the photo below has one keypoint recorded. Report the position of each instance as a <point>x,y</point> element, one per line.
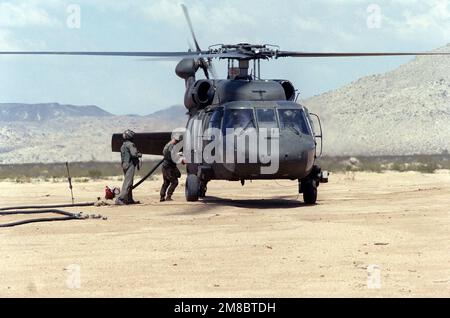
<point>69,179</point>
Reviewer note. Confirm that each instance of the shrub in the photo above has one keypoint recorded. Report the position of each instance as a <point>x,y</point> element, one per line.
<point>94,174</point>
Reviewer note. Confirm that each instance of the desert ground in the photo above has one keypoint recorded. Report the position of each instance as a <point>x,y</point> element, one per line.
<point>259,240</point>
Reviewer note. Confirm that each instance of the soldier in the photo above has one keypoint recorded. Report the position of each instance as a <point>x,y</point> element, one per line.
<point>169,169</point>
<point>130,160</point>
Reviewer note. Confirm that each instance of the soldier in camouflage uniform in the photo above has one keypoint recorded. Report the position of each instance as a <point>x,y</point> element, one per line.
<point>130,160</point>
<point>170,171</point>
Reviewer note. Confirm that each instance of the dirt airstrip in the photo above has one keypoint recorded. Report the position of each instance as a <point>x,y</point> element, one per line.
<point>388,230</point>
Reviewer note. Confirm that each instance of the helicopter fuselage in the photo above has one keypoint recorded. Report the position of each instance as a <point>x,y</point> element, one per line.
<point>279,141</point>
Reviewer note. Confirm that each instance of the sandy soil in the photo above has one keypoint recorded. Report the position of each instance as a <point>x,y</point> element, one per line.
<point>252,241</point>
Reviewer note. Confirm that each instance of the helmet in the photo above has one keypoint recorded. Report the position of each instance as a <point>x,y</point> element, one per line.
<point>288,113</point>
<point>177,136</point>
<point>128,134</point>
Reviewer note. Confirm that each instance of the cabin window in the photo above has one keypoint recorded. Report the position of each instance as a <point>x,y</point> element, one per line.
<point>239,118</point>
<point>266,118</point>
<point>293,119</point>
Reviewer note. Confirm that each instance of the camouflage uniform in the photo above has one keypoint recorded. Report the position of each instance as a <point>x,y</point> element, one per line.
<point>130,159</point>
<point>170,173</point>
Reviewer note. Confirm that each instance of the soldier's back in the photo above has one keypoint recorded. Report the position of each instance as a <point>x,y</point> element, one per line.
<point>125,151</point>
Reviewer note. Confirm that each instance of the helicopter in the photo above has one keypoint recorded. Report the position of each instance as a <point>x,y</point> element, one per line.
<point>253,128</point>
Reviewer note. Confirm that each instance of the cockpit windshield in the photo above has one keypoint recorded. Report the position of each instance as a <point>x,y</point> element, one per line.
<point>247,118</point>
<point>239,118</point>
<point>294,119</point>
<point>266,118</point>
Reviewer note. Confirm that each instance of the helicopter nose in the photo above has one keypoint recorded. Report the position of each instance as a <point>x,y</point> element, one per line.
<point>296,151</point>
<point>296,155</point>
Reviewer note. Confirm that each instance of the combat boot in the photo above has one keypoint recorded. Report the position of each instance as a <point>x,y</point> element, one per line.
<point>119,202</point>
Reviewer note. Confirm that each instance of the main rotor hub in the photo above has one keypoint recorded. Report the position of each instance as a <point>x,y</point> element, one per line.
<point>245,51</point>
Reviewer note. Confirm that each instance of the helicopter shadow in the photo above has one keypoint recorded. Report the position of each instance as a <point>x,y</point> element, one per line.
<point>209,203</point>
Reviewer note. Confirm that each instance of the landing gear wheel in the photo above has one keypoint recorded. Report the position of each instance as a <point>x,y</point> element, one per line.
<point>192,188</point>
<point>310,192</point>
<point>202,191</point>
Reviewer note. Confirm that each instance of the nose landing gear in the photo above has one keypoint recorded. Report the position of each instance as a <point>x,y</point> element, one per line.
<point>192,188</point>
<point>195,188</point>
<point>309,190</point>
<point>308,186</point>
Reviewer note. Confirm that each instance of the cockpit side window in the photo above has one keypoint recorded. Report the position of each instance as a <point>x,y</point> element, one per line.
<point>310,121</point>
<point>266,118</point>
<point>239,118</point>
<point>295,120</point>
<point>216,119</point>
<point>215,122</point>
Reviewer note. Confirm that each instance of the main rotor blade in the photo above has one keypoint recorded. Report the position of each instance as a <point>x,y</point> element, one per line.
<point>191,28</point>
<point>203,64</point>
<point>350,54</point>
<point>168,55</point>
<point>132,54</point>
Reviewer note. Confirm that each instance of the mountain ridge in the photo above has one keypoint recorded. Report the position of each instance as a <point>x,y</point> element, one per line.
<point>47,111</point>
<point>402,112</point>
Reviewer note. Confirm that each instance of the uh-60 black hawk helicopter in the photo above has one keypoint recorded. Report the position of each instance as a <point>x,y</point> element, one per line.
<point>245,101</point>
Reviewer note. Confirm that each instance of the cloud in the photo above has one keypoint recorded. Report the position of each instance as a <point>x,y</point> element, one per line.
<point>10,42</point>
<point>307,24</point>
<point>24,14</point>
<point>164,11</point>
<point>6,43</point>
<point>430,19</point>
<point>217,17</point>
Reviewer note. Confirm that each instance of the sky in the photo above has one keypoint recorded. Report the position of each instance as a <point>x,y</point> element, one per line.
<point>124,85</point>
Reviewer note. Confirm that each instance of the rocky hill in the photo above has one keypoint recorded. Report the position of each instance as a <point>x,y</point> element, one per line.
<point>175,112</point>
<point>44,112</point>
<point>77,136</point>
<point>405,111</point>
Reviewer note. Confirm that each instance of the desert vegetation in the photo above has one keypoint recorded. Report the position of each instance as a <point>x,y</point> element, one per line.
<point>420,163</point>
<point>81,171</point>
<point>86,171</point>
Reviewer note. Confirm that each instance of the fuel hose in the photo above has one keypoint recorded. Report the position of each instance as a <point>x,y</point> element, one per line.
<point>148,174</point>
<point>54,208</point>
<point>65,216</point>
<point>26,207</point>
